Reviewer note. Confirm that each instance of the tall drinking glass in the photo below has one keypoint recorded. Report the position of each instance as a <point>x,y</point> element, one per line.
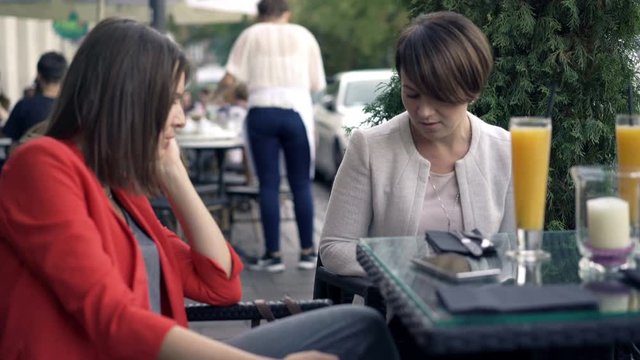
<point>628,151</point>
<point>530,148</point>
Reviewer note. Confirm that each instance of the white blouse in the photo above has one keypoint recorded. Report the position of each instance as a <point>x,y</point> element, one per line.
<point>277,55</point>
<point>281,65</point>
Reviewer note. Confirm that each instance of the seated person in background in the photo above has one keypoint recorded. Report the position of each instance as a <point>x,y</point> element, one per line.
<point>187,102</point>
<point>201,106</point>
<point>232,114</point>
<point>5,105</point>
<point>87,269</point>
<point>435,166</point>
<point>31,89</point>
<point>34,109</point>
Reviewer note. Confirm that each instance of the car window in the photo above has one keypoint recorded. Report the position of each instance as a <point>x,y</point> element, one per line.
<point>359,93</point>
<point>332,88</point>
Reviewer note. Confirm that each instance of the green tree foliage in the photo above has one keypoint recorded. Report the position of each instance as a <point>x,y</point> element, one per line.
<point>219,36</point>
<point>353,34</point>
<point>587,48</point>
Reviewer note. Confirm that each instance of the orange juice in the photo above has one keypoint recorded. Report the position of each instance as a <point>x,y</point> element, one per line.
<point>628,141</point>
<point>628,151</point>
<point>530,148</point>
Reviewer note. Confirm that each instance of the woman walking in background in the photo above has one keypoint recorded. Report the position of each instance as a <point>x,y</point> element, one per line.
<point>281,65</point>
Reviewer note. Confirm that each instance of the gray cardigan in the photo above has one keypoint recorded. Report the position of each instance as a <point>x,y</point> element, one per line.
<point>380,187</point>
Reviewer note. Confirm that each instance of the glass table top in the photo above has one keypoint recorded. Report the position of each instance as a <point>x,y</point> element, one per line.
<point>393,256</point>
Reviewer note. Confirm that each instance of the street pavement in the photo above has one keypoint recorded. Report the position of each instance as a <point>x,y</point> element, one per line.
<point>248,239</point>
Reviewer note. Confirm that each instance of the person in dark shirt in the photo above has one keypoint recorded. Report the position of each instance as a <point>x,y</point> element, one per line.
<point>32,110</point>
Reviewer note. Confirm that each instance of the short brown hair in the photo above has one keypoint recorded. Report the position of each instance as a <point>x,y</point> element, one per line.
<point>115,101</point>
<point>446,56</point>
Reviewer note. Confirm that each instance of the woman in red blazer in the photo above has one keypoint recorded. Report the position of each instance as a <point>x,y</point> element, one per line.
<point>88,272</point>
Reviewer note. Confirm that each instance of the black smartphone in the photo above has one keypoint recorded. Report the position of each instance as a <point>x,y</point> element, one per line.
<point>457,268</point>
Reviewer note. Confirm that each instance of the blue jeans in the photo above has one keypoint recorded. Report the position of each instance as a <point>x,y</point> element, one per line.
<point>348,331</point>
<point>269,130</point>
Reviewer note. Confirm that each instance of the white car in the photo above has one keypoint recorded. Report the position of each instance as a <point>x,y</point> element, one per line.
<point>341,106</point>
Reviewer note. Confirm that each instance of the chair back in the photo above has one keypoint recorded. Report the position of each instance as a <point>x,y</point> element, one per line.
<point>341,289</point>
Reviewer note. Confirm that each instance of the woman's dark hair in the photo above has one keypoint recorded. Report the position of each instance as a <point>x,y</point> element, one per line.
<point>446,56</point>
<point>115,101</point>
<point>272,8</point>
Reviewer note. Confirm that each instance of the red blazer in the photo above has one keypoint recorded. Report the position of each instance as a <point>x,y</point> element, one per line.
<point>72,278</point>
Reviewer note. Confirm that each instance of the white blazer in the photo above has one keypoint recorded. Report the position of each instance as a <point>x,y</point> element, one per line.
<point>380,187</point>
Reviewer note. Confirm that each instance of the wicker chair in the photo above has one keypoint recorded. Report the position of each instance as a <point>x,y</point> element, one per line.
<point>341,289</point>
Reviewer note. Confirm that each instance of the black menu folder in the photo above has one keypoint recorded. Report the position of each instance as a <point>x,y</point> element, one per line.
<point>443,241</point>
<point>469,299</point>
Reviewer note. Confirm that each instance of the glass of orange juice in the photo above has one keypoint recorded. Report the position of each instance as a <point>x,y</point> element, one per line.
<point>628,153</point>
<point>530,148</point>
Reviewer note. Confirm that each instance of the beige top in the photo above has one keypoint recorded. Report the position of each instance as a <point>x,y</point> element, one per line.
<point>281,65</point>
<point>281,55</point>
<point>441,209</point>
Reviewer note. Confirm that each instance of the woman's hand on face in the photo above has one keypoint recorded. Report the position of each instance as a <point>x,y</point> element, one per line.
<point>169,155</point>
<point>311,355</point>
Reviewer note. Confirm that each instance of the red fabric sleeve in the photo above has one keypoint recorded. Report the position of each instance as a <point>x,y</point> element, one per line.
<point>204,279</point>
<point>46,193</point>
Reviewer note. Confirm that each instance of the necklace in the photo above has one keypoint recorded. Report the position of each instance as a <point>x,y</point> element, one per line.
<point>444,209</point>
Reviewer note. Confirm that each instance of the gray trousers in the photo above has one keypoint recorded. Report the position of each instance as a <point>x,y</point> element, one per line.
<point>348,331</point>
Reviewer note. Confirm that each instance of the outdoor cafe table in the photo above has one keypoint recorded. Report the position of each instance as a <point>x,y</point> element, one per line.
<point>410,293</point>
<point>219,145</point>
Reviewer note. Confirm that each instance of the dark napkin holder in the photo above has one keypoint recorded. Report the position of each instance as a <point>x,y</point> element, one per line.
<point>631,277</point>
<point>443,241</point>
<point>472,299</point>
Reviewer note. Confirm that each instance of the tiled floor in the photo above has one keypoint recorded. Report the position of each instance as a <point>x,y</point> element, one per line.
<point>293,282</point>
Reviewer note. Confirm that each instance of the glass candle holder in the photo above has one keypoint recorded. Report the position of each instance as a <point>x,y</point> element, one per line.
<point>605,232</point>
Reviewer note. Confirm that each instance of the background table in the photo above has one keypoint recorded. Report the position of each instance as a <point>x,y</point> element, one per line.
<point>220,146</point>
<point>410,293</point>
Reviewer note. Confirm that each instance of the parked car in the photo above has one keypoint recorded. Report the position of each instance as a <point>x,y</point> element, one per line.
<point>341,106</point>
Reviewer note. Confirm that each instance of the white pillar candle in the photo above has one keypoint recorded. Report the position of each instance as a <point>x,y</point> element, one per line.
<point>608,222</point>
<point>613,302</point>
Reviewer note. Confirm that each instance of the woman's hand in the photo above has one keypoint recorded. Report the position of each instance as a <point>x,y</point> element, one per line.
<point>201,231</point>
<point>170,167</point>
<point>311,355</point>
<point>169,156</point>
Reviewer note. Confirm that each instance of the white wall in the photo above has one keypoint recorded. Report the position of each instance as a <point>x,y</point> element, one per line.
<point>22,41</point>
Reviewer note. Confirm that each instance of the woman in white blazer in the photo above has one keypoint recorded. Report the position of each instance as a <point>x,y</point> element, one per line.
<point>435,166</point>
